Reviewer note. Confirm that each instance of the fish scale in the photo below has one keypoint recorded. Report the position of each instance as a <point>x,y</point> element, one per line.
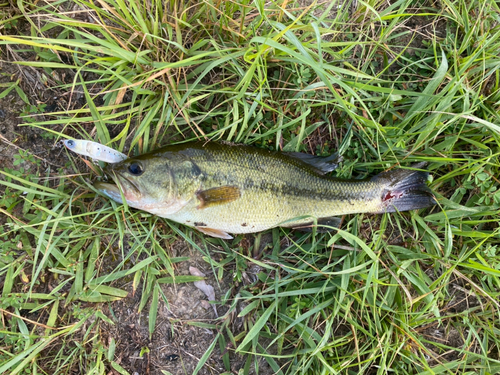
<point>222,188</point>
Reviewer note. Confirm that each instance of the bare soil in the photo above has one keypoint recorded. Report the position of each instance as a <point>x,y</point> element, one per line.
<point>177,344</point>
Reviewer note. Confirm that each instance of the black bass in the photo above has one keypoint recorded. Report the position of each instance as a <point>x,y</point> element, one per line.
<point>221,188</point>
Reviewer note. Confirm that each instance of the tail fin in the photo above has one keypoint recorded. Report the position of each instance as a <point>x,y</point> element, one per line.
<point>405,189</point>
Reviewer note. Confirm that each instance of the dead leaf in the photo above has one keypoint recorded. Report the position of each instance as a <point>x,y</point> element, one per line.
<point>203,286</point>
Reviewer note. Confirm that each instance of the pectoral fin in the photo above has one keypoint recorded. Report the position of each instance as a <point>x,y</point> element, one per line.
<point>218,195</point>
<point>215,233</point>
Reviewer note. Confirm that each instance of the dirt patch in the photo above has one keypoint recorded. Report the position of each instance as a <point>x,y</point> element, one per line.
<point>183,331</point>
<point>25,147</point>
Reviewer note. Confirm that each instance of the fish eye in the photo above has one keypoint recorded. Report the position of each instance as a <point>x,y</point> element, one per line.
<point>135,169</point>
<point>70,143</point>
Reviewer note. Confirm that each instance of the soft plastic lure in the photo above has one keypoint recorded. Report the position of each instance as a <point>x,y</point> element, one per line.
<point>94,150</point>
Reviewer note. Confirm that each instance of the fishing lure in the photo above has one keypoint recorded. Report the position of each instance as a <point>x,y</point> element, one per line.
<point>94,150</point>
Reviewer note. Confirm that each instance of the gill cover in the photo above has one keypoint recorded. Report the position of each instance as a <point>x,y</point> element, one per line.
<point>161,185</point>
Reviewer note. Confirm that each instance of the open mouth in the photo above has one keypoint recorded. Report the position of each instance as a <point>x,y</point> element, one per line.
<point>110,190</point>
<point>120,186</point>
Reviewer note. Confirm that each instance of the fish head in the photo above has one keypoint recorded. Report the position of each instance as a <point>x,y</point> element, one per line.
<point>146,183</point>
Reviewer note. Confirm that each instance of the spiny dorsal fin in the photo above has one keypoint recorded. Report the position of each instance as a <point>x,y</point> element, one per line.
<point>218,195</point>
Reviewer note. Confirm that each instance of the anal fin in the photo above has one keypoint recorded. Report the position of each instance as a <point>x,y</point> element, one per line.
<point>322,225</point>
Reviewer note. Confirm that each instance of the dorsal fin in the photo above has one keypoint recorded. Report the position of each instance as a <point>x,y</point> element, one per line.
<point>320,164</point>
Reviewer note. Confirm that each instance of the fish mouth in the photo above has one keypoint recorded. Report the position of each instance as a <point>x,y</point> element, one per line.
<point>121,185</point>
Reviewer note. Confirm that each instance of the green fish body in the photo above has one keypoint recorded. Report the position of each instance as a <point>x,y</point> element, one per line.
<point>221,188</point>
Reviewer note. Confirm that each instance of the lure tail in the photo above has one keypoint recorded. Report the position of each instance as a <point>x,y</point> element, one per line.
<point>405,190</point>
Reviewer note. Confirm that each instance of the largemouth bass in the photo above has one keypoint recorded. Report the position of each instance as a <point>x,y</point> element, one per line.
<point>221,188</point>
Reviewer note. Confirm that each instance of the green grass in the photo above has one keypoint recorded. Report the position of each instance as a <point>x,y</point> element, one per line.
<point>410,293</point>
